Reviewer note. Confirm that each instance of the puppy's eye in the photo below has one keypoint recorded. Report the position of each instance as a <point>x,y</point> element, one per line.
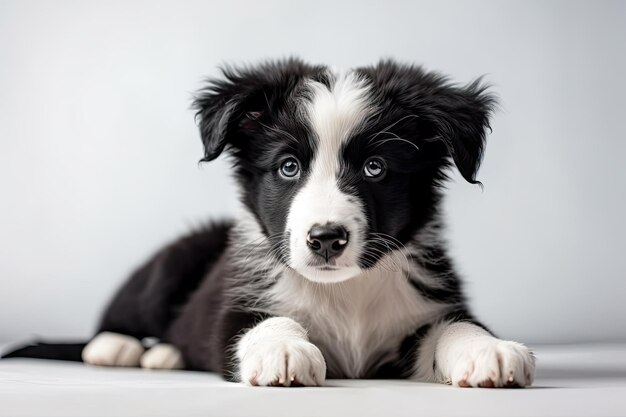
<point>374,169</point>
<point>290,168</point>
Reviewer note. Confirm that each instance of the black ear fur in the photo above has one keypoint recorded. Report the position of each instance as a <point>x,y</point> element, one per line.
<point>214,115</point>
<point>460,116</point>
<point>231,107</point>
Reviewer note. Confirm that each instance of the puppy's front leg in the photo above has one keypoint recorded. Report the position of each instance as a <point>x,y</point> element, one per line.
<point>277,351</point>
<point>466,355</point>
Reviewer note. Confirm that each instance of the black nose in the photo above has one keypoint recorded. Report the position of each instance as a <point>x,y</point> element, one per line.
<point>327,240</point>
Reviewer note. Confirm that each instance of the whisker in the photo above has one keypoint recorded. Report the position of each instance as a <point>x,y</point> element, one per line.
<point>392,125</point>
<point>382,142</point>
<point>280,131</point>
<point>401,248</point>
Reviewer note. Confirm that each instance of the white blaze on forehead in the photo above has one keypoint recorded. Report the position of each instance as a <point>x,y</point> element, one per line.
<point>334,115</point>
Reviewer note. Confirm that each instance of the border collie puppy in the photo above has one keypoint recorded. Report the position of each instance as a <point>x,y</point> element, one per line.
<point>336,266</point>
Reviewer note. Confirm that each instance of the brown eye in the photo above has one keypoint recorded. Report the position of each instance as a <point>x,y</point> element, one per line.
<point>290,168</point>
<point>374,168</point>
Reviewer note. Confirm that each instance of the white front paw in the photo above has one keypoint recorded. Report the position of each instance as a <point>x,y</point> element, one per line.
<point>113,349</point>
<point>491,362</point>
<point>290,362</point>
<point>162,356</point>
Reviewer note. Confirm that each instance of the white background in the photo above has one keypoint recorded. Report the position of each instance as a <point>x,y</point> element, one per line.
<point>99,151</point>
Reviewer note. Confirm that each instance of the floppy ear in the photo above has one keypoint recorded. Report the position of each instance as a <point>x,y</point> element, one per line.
<point>214,113</point>
<point>460,116</point>
<point>221,107</point>
<point>233,107</point>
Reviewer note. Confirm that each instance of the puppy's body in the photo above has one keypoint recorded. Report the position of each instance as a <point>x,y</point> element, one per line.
<point>359,324</point>
<point>336,265</point>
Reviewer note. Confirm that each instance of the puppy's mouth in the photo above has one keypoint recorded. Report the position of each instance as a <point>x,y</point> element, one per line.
<point>329,265</point>
<point>327,273</point>
<point>327,268</point>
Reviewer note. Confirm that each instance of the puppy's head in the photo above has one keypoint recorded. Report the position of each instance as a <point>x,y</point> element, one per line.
<point>340,168</point>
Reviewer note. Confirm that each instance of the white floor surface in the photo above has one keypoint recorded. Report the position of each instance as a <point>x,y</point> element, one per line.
<point>573,380</point>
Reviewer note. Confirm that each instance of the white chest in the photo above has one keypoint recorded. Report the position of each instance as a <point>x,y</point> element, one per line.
<point>357,324</point>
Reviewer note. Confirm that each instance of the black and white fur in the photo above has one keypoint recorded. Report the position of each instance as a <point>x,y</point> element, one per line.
<point>257,300</point>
